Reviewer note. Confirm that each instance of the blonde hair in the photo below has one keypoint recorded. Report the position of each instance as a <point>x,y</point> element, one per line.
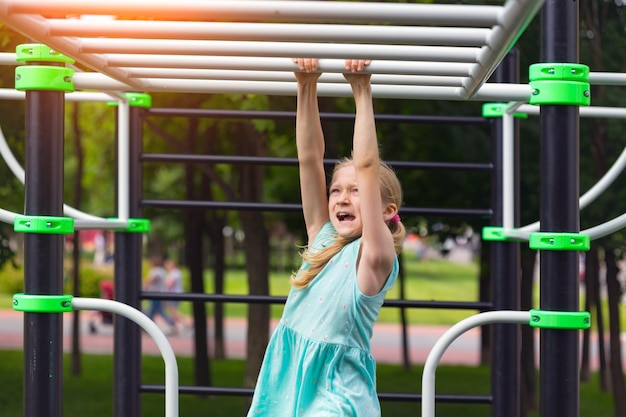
<point>391,193</point>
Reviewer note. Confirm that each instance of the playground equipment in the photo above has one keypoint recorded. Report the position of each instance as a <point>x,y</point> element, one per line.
<point>173,54</point>
<point>65,303</point>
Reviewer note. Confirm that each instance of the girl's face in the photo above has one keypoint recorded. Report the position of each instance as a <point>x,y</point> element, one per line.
<point>344,206</point>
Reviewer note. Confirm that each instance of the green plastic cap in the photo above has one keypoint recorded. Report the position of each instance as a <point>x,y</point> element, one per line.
<point>44,78</point>
<point>44,224</point>
<point>493,110</point>
<point>559,84</point>
<point>29,52</point>
<point>559,241</point>
<point>31,303</point>
<point>134,225</point>
<point>136,100</point>
<point>565,320</point>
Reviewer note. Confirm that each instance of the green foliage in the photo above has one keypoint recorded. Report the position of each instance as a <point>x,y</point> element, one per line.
<point>90,278</point>
<point>12,279</point>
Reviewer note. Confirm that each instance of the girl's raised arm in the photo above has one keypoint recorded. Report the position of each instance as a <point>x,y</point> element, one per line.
<point>377,246</point>
<point>310,144</point>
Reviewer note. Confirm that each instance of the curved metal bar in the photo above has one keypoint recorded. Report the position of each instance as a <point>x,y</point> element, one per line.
<point>171,367</point>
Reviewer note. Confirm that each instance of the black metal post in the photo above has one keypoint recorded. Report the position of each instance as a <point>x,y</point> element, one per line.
<point>43,253</point>
<point>559,212</point>
<point>505,269</point>
<point>128,255</point>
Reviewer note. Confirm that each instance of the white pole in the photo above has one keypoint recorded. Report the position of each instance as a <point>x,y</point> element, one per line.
<point>508,167</point>
<point>123,160</point>
<point>513,20</point>
<point>430,366</point>
<point>171,367</point>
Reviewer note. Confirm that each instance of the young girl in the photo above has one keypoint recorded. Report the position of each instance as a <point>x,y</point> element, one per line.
<point>318,362</point>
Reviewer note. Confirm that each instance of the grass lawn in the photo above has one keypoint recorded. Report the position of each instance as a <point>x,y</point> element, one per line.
<point>90,394</point>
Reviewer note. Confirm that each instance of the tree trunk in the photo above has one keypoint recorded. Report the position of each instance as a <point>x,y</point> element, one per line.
<point>256,246</point>
<point>216,225</point>
<point>591,279</point>
<point>194,229</point>
<point>529,386</point>
<point>614,291</point>
<point>602,356</point>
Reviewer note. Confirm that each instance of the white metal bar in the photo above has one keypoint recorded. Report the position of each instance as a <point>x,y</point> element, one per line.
<point>606,228</point>
<point>430,366</point>
<point>169,357</point>
<point>488,92</point>
<point>123,160</point>
<point>7,216</point>
<point>236,31</point>
<point>267,10</point>
<point>18,171</point>
<point>513,20</point>
<point>206,74</point>
<point>36,27</point>
<point>508,168</point>
<point>607,78</point>
<point>278,49</point>
<point>596,111</point>
<point>83,96</point>
<point>8,58</point>
<point>600,186</point>
<point>283,64</point>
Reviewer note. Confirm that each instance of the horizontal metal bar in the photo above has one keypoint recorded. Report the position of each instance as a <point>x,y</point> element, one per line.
<point>383,396</point>
<point>283,64</point>
<point>220,205</point>
<point>488,92</point>
<point>267,10</point>
<point>236,31</point>
<point>245,75</point>
<point>349,117</point>
<point>258,160</point>
<point>271,299</point>
<point>279,49</point>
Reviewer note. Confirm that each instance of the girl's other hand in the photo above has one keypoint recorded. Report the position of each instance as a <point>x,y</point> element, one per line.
<point>308,68</point>
<point>356,76</point>
<point>356,65</point>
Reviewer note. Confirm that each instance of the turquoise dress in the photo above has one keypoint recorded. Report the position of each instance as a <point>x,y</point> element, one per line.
<point>318,361</point>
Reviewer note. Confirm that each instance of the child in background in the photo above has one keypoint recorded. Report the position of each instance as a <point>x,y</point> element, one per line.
<point>318,362</point>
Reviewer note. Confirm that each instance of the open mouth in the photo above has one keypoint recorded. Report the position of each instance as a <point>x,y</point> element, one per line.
<point>343,217</point>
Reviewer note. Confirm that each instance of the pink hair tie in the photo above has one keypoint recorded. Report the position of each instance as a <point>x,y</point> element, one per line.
<point>395,219</point>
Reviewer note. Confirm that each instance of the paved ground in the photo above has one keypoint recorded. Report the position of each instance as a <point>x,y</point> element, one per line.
<point>386,342</point>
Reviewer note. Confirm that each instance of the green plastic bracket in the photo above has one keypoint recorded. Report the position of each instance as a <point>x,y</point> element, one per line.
<point>43,77</point>
<point>42,303</point>
<point>560,84</point>
<point>497,234</point>
<point>493,110</point>
<point>136,100</point>
<point>44,224</point>
<point>565,320</point>
<point>29,52</point>
<point>135,225</point>
<point>559,241</point>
